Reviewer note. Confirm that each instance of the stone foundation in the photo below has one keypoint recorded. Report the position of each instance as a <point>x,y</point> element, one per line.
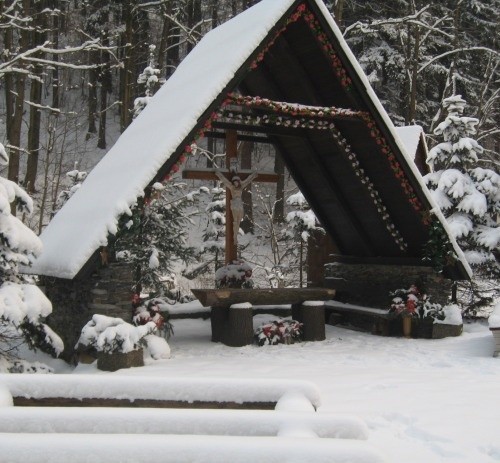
<point>369,285</point>
<point>107,291</point>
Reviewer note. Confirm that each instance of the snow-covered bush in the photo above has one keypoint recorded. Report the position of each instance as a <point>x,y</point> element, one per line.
<point>411,303</point>
<point>279,332</point>
<point>156,311</point>
<point>113,335</point>
<point>238,274</point>
<point>23,306</point>
<point>22,366</point>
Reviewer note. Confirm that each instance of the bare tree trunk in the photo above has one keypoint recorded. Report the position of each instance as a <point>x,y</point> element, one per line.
<point>165,33</point>
<point>246,150</point>
<point>105,78</point>
<point>127,71</point>
<point>338,12</point>
<point>92,105</point>
<point>56,23</point>
<point>38,38</point>
<point>279,207</point>
<point>193,18</point>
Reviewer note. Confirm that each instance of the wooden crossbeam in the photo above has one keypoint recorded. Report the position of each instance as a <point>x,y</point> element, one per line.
<point>207,174</point>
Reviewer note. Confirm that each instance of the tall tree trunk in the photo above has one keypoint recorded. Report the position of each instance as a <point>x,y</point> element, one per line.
<point>38,38</point>
<point>246,150</point>
<point>279,207</point>
<point>56,24</point>
<point>193,19</point>
<point>14,133</point>
<point>105,79</point>
<point>92,104</point>
<point>127,71</point>
<point>338,12</point>
<point>165,33</point>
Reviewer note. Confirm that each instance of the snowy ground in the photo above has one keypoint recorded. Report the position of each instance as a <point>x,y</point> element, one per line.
<point>423,400</point>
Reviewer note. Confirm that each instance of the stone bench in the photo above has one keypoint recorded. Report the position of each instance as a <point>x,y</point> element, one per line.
<point>232,311</point>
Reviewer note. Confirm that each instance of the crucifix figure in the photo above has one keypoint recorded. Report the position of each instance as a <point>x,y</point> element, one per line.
<point>235,183</point>
<point>236,187</point>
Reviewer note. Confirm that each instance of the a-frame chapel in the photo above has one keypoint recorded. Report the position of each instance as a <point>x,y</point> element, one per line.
<point>282,72</point>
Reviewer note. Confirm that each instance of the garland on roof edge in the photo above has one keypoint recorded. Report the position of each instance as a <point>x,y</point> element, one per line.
<point>303,12</point>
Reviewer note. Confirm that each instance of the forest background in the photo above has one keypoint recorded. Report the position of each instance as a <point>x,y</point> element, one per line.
<point>69,73</point>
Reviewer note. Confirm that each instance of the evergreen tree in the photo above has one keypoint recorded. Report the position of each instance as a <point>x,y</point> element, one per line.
<point>23,306</point>
<point>301,222</point>
<point>154,239</point>
<point>149,77</point>
<point>215,231</point>
<point>468,195</point>
<point>76,178</point>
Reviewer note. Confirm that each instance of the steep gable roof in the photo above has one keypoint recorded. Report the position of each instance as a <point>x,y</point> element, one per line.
<point>287,50</point>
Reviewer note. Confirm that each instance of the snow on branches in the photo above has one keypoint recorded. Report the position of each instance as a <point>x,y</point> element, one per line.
<point>468,195</point>
<point>23,306</point>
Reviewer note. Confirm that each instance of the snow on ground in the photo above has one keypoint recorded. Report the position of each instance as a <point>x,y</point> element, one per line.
<point>423,400</point>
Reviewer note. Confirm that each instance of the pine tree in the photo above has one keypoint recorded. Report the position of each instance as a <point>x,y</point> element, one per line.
<point>301,222</point>
<point>468,195</point>
<point>215,231</point>
<point>23,306</point>
<point>149,77</point>
<point>153,239</point>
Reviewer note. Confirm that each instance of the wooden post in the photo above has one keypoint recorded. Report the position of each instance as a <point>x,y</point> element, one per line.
<point>231,153</point>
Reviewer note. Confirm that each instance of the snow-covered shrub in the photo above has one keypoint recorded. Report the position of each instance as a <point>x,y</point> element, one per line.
<point>156,311</point>
<point>411,303</point>
<point>113,335</point>
<point>279,332</point>
<point>238,274</point>
<point>23,306</point>
<point>22,366</point>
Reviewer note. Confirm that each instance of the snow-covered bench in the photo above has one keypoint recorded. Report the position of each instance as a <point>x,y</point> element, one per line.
<point>290,432</point>
<point>232,310</point>
<point>135,391</point>
<point>159,448</point>
<point>494,323</point>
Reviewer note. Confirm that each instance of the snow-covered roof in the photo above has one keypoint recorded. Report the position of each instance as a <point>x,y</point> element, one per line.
<point>115,183</point>
<point>113,186</point>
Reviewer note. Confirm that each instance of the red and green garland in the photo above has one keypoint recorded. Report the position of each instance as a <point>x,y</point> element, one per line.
<point>291,109</point>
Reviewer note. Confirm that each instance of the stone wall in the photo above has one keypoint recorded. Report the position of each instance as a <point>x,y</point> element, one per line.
<point>107,291</point>
<point>369,285</point>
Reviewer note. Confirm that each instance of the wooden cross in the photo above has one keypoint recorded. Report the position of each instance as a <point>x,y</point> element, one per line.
<point>209,174</point>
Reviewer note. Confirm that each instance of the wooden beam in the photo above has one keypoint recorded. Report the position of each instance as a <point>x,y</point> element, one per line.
<point>241,137</point>
<point>266,129</point>
<point>206,174</point>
